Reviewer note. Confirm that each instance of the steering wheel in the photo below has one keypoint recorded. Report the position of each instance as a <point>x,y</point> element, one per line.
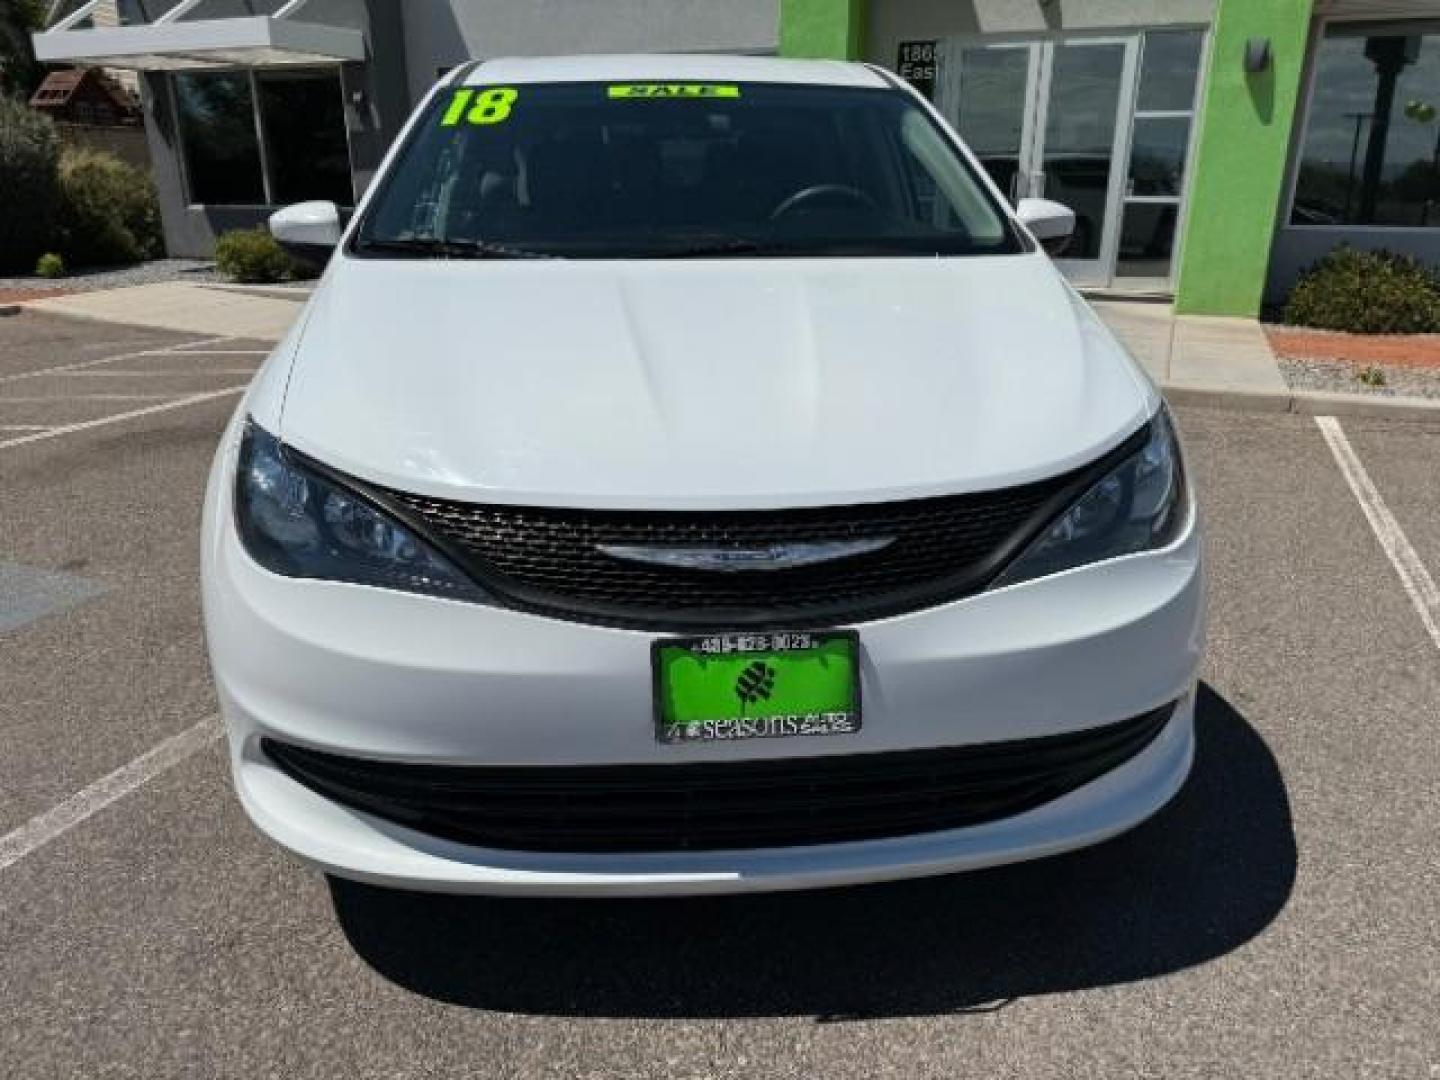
<point>822,193</point>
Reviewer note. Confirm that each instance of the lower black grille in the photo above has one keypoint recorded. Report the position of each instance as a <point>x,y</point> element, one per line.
<point>926,551</point>
<point>715,806</point>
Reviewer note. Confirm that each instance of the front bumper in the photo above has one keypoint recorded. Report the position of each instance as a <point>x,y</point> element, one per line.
<point>368,673</point>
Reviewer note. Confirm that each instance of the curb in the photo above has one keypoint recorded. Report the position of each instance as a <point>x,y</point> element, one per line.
<point>1306,402</point>
<point>297,294</point>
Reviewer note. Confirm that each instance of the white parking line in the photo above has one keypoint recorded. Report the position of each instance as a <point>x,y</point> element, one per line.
<point>43,828</point>
<point>202,353</point>
<point>26,427</point>
<point>86,425</point>
<point>1418,583</point>
<point>82,364</point>
<point>86,397</point>
<point>197,346</point>
<point>152,374</point>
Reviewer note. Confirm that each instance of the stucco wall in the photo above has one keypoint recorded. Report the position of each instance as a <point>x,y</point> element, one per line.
<point>441,33</point>
<point>894,21</point>
<point>1240,157</point>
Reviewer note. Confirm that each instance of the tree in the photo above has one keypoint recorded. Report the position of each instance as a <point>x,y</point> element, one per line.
<point>29,184</point>
<point>20,74</point>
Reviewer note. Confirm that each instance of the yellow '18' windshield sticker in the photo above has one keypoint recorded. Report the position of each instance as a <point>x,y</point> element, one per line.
<point>490,106</point>
<point>673,90</point>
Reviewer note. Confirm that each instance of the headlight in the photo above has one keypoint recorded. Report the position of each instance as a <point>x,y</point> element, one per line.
<point>296,522</point>
<point>1139,506</point>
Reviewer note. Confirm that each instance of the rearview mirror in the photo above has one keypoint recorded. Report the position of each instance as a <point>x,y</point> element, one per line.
<point>308,231</point>
<point>1049,222</point>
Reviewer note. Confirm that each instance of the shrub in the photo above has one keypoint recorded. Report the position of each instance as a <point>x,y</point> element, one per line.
<point>252,256</point>
<point>1366,292</point>
<point>29,184</point>
<point>109,210</point>
<point>50,265</point>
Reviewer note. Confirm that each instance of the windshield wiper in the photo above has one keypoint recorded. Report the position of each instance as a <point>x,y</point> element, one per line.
<point>733,245</point>
<point>431,247</point>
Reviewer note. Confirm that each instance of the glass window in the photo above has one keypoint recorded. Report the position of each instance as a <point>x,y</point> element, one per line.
<point>1157,154</point>
<point>1371,154</point>
<point>304,121</point>
<point>217,126</point>
<point>992,107</point>
<point>1147,238</point>
<point>1171,61</point>
<point>1080,137</point>
<point>600,171</point>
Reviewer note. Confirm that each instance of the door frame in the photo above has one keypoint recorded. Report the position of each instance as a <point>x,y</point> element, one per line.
<point>1181,202</point>
<point>947,92</point>
<point>1099,271</point>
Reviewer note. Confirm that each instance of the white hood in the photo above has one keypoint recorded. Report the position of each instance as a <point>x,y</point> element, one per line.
<point>716,383</point>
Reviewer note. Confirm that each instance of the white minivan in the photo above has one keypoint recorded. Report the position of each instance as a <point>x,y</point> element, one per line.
<point>690,476</point>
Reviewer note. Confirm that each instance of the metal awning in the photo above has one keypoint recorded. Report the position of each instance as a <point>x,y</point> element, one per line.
<point>250,41</point>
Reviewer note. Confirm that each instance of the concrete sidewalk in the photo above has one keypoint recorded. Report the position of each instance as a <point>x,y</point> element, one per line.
<point>1198,360</point>
<point>189,308</point>
<point>1195,360</point>
<point>1194,353</point>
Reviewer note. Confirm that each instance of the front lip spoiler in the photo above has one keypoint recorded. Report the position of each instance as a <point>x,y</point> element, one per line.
<point>803,802</point>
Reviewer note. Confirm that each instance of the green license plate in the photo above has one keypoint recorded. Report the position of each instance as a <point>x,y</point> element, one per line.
<point>726,687</point>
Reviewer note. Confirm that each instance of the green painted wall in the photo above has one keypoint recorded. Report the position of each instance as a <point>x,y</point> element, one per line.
<point>831,29</point>
<point>1240,157</point>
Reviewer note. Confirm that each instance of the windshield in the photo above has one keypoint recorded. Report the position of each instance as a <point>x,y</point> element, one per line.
<point>607,170</point>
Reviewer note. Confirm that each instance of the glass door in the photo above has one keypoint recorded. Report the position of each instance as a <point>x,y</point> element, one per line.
<point>1048,119</point>
<point>988,92</point>
<point>1083,102</point>
<point>1159,143</point>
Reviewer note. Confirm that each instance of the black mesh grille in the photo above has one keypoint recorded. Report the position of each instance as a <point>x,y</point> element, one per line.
<point>549,559</point>
<point>749,804</point>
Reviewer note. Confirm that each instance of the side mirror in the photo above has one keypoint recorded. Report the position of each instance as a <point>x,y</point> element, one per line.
<point>308,231</point>
<point>1049,222</point>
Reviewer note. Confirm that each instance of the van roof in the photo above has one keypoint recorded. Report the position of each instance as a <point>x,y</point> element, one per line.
<point>683,67</point>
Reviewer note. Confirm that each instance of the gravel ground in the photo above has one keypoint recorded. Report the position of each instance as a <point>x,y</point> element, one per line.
<point>1408,350</point>
<point>1339,375</point>
<point>146,273</point>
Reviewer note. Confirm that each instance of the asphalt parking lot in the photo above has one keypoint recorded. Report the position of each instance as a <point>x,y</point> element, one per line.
<point>1278,919</point>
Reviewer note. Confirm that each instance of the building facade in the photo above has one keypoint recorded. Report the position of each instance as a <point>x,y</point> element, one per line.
<point>1210,148</point>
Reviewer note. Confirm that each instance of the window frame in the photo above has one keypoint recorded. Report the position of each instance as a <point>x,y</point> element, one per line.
<point>1300,131</point>
<point>405,144</point>
<point>257,116</point>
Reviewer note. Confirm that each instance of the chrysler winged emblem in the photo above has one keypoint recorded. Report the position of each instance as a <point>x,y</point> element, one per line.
<point>730,560</point>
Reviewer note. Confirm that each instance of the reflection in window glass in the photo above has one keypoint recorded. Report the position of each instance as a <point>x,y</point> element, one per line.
<point>1372,144</point>
<point>1157,154</point>
<point>305,137</point>
<point>992,108</point>
<point>1080,136</point>
<point>1147,238</point>
<point>217,125</point>
<point>794,170</point>
<point>1167,75</point>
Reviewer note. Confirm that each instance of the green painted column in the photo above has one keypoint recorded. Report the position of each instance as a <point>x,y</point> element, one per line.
<point>829,29</point>
<point>1240,157</point>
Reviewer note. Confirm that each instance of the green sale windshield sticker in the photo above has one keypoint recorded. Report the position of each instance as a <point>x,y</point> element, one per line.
<point>480,107</point>
<point>756,686</point>
<point>672,90</point>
